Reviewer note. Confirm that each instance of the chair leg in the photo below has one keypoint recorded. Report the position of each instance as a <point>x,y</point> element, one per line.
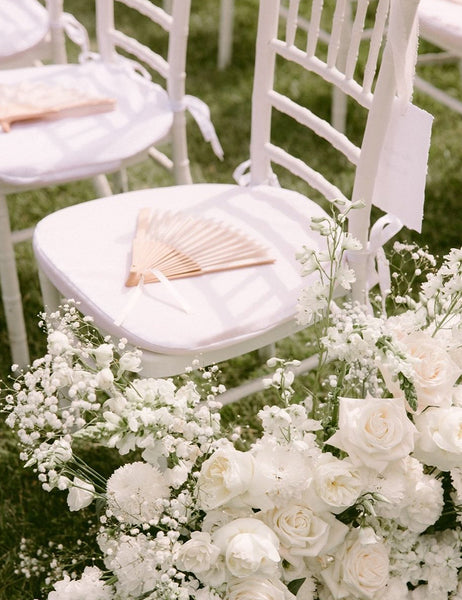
<point>225,36</point>
<point>11,293</point>
<point>101,185</point>
<point>50,295</point>
<point>121,181</point>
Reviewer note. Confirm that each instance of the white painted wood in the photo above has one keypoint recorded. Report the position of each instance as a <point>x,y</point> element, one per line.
<point>225,34</point>
<point>11,293</point>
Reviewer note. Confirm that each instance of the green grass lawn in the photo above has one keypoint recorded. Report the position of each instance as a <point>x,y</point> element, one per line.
<point>27,511</point>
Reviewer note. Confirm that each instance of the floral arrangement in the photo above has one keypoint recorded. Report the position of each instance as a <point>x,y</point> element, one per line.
<point>352,492</point>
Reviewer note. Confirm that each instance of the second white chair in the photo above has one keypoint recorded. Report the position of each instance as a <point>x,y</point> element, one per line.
<point>235,311</point>
<point>31,33</point>
<point>38,154</point>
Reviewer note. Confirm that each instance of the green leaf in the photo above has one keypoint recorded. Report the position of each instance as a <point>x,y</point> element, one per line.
<point>295,585</point>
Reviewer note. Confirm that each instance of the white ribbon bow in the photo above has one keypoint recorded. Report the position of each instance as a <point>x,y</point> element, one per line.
<point>378,265</point>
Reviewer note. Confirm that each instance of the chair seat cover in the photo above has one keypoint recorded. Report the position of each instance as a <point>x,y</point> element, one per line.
<point>440,22</point>
<point>23,25</point>
<point>38,153</point>
<point>85,250</point>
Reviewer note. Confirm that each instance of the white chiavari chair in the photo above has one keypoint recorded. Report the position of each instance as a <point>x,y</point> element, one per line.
<point>41,153</point>
<point>237,311</point>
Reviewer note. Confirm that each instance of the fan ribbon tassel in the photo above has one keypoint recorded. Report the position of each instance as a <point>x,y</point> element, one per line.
<point>138,290</point>
<point>171,288</point>
<point>130,305</point>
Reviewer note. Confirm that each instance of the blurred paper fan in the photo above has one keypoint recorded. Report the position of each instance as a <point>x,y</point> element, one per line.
<point>28,101</point>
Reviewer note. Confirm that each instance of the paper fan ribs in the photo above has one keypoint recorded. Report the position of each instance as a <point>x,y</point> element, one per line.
<point>181,245</point>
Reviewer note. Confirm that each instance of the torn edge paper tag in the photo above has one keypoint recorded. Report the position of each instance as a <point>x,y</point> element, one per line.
<point>400,183</point>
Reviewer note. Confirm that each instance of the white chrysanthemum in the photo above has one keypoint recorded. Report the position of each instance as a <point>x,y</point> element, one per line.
<point>89,587</point>
<point>281,474</point>
<point>424,506</point>
<point>135,562</point>
<point>135,492</point>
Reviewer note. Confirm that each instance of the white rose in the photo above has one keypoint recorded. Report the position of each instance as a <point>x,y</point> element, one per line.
<point>338,483</point>
<point>440,441</point>
<point>81,494</point>
<point>104,378</point>
<point>249,547</point>
<point>258,588</point>
<point>360,567</point>
<point>303,533</point>
<point>103,355</point>
<point>435,372</point>
<point>224,476</point>
<point>57,343</point>
<point>197,554</point>
<point>374,431</point>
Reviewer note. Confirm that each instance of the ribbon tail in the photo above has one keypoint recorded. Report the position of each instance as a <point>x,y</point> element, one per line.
<point>201,114</point>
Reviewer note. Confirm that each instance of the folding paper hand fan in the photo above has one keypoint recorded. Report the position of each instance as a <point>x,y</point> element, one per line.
<point>177,245</point>
<point>29,100</point>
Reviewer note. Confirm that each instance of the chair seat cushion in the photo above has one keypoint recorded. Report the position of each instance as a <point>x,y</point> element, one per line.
<point>23,25</point>
<point>85,250</point>
<point>38,153</point>
<point>440,22</point>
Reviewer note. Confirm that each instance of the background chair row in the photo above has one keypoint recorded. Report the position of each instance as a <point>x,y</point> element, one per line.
<point>237,311</point>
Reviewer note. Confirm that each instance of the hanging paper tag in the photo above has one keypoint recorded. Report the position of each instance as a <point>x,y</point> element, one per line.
<point>400,184</point>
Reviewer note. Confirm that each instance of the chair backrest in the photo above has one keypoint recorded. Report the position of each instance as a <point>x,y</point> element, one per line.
<point>373,88</point>
<point>173,20</point>
<point>31,31</point>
